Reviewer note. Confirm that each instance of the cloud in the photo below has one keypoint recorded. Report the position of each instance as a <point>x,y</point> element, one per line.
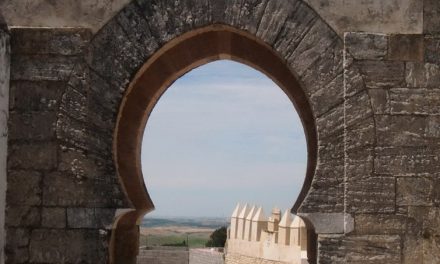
<point>223,128</point>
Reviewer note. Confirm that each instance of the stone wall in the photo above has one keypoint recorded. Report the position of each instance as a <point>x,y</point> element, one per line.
<point>391,16</point>
<point>232,258</point>
<point>205,256</point>
<point>374,98</point>
<point>163,256</point>
<point>392,193</point>
<point>4,101</point>
<point>61,198</point>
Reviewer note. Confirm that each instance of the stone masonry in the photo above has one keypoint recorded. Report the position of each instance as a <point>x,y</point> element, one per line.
<point>4,96</point>
<point>373,191</point>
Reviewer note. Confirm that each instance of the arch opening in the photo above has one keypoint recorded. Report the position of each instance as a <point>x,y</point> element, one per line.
<point>176,58</point>
<point>221,134</point>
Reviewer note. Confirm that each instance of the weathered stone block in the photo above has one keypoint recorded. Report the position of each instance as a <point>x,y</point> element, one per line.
<point>372,195</point>
<point>71,131</point>
<point>357,108</point>
<point>83,165</point>
<point>394,130</point>
<point>353,79</point>
<point>319,38</point>
<point>137,29</point>
<point>380,224</point>
<point>180,17</point>
<point>63,189</point>
<point>431,16</point>
<point>373,249</point>
<point>330,123</point>
<point>432,49</point>
<point>41,67</point>
<point>325,70</point>
<point>414,191</point>
<point>414,101</point>
<point>24,188</point>
<point>407,161</point>
<point>35,96</point>
<point>329,173</point>
<point>328,199</point>
<point>74,104</point>
<point>62,41</point>
<point>16,249</point>
<point>366,46</point>
<point>35,156</point>
<point>53,217</point>
<point>331,249</point>
<point>359,166</point>
<point>245,14</point>
<point>379,101</point>
<point>295,28</point>
<point>273,19</point>
<point>328,97</point>
<point>68,246</point>
<point>412,250</point>
<point>17,255</point>
<point>81,218</point>
<point>119,59</point>
<point>17,237</point>
<point>424,75</point>
<point>382,74</point>
<point>361,136</point>
<point>105,217</point>
<point>406,47</point>
<point>32,126</point>
<point>23,216</point>
<point>90,218</point>
<point>331,148</point>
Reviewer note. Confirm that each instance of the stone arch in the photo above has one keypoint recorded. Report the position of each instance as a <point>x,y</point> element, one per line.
<point>124,49</point>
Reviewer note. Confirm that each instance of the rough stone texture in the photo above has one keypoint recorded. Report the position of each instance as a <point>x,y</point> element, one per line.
<point>49,246</point>
<point>48,177</point>
<point>402,142</point>
<point>374,98</point>
<point>53,217</point>
<point>43,13</point>
<point>367,46</point>
<point>405,47</point>
<point>395,16</point>
<point>4,99</point>
<point>391,16</point>
<point>431,18</point>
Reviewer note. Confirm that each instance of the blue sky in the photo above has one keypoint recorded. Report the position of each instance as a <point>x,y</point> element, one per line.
<point>221,134</point>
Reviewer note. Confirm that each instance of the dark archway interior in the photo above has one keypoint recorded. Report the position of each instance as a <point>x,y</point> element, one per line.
<point>172,61</point>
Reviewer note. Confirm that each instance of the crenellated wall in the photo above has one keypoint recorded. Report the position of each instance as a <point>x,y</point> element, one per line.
<point>275,238</point>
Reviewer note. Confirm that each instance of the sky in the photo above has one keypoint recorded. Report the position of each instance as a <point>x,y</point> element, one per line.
<point>221,134</point>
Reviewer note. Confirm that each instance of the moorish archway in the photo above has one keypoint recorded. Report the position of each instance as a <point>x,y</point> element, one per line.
<point>147,46</point>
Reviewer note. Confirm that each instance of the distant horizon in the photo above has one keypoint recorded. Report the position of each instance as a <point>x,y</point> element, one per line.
<point>223,134</point>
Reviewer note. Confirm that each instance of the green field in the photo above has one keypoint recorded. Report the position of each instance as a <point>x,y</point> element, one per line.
<point>194,240</point>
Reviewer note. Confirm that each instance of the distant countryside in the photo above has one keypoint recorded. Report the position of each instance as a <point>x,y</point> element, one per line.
<point>179,232</point>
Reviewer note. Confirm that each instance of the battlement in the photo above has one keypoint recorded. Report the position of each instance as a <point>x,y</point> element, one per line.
<point>278,237</point>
